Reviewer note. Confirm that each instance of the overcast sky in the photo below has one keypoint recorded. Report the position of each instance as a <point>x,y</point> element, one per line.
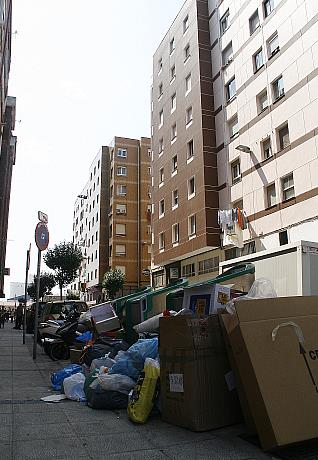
<point>81,72</point>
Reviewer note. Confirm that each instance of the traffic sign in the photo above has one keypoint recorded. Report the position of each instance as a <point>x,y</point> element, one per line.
<point>43,217</point>
<point>41,236</point>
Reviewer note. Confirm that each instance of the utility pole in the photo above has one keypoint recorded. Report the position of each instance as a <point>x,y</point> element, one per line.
<point>27,266</point>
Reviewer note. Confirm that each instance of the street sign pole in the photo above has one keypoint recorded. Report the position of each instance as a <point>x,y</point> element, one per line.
<point>36,319</point>
<point>27,266</point>
<point>42,241</point>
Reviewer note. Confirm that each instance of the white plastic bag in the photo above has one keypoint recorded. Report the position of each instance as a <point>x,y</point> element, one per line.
<point>104,361</point>
<point>74,387</point>
<point>262,288</point>
<point>116,382</point>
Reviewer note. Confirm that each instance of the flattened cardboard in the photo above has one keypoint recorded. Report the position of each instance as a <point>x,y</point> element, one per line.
<point>193,366</point>
<point>280,377</point>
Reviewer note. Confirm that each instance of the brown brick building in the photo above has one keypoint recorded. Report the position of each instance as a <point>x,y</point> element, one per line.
<point>185,181</point>
<point>112,216</point>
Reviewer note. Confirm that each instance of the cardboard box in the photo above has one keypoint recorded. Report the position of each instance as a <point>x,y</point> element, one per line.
<point>205,300</point>
<point>104,317</point>
<point>108,324</point>
<point>275,347</point>
<point>75,355</point>
<point>197,391</point>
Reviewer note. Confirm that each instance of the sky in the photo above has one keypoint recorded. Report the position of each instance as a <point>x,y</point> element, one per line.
<point>81,72</point>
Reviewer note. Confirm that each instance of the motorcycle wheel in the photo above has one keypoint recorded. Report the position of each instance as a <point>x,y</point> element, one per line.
<point>59,352</point>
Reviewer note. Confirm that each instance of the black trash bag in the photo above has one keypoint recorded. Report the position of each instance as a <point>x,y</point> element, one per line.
<point>94,352</point>
<point>102,399</point>
<point>115,344</point>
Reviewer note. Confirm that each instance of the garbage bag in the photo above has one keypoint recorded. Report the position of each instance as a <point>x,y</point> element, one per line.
<point>74,387</point>
<point>142,397</point>
<point>116,382</point>
<point>101,347</point>
<point>90,378</point>
<point>58,376</point>
<point>262,288</point>
<point>131,362</point>
<point>104,361</point>
<point>111,400</point>
<point>85,337</point>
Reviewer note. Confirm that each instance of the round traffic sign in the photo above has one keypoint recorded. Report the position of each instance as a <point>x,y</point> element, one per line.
<point>41,236</point>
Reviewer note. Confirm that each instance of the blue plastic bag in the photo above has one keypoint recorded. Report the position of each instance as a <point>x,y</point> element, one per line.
<point>131,362</point>
<point>85,337</point>
<point>58,376</point>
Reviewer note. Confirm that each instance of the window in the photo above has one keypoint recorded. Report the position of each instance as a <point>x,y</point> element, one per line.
<point>175,233</point>
<point>175,199</point>
<point>97,180</point>
<point>186,52</point>
<point>161,146</point>
<point>270,195</point>
<point>121,229</point>
<point>161,241</point>
<point>173,102</point>
<point>121,209</point>
<point>227,55</point>
<point>172,46</point>
<point>95,273</point>
<point>278,88</point>
<point>272,45</point>
<point>233,126</point>
<point>188,270</point>
<point>172,73</point>
<point>121,268</point>
<point>191,225</point>
<point>283,237</point>
<point>188,83</point>
<point>161,208</point>
<point>161,175</point>
<point>120,249</point>
<point>258,60</point>
<point>175,163</point>
<point>254,22</point>
<point>121,190</point>
<point>224,22</point>
<point>96,238</point>
<point>185,24</point>
<point>230,89</point>
<point>122,153</point>
<point>189,115</point>
<point>236,171</point>
<point>190,149</point>
<point>288,190</point>
<point>92,243</point>
<point>266,148</point>
<point>160,118</point>
<point>262,101</point>
<point>97,198</point>
<point>283,137</point>
<point>121,171</point>
<point>268,6</point>
<point>98,164</point>
<point>173,132</point>
<point>160,65</point>
<point>149,170</point>
<point>160,90</point>
<point>191,187</point>
<point>87,277</point>
<point>111,172</point>
<point>208,265</point>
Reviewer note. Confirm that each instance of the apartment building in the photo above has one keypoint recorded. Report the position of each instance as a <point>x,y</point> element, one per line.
<point>7,140</point>
<point>112,217</point>
<point>258,76</point>
<point>185,181</point>
<point>265,80</point>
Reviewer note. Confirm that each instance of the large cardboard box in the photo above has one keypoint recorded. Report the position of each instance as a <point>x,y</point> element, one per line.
<point>275,347</point>
<point>197,389</point>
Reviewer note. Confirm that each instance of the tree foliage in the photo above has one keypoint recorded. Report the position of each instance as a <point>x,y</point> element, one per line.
<point>64,259</point>
<point>113,281</point>
<point>47,283</point>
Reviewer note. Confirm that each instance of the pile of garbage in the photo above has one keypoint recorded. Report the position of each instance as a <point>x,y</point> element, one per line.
<point>119,379</point>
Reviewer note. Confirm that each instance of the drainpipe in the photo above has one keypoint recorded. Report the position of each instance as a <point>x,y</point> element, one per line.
<point>138,216</point>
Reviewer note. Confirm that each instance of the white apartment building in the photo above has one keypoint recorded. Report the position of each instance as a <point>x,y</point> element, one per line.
<point>265,83</point>
<point>89,228</point>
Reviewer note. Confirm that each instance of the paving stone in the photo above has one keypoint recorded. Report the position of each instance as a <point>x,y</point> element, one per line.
<point>116,443</point>
<point>37,418</point>
<point>48,449</point>
<point>42,431</point>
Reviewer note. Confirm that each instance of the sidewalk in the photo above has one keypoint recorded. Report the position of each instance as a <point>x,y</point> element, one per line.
<point>32,429</point>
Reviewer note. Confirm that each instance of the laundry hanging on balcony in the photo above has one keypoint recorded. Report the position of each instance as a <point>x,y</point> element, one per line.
<point>232,222</point>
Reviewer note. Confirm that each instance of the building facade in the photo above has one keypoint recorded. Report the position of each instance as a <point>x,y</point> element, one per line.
<point>7,140</point>
<point>112,217</point>
<point>260,76</point>
<point>185,181</point>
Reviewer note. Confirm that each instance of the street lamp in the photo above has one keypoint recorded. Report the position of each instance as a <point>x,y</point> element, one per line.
<point>243,148</point>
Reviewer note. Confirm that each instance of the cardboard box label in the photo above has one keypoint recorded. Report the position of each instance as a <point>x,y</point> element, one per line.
<point>176,383</point>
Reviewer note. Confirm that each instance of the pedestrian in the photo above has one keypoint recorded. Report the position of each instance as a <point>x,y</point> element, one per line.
<point>19,317</point>
<point>2,318</point>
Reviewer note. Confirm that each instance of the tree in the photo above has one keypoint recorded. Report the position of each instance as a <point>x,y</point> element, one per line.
<point>65,259</point>
<point>47,283</point>
<point>113,281</point>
